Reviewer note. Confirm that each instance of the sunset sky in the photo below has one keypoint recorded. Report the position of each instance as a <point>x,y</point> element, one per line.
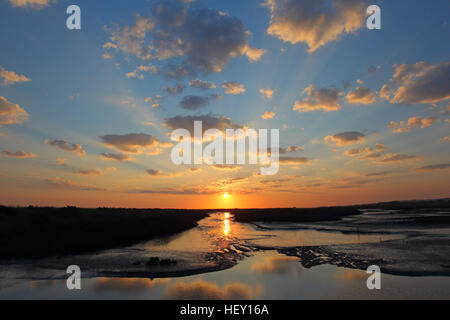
<point>86,115</point>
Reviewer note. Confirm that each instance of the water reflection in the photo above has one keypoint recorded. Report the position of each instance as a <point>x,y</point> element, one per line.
<point>277,265</point>
<point>127,285</point>
<point>226,223</point>
<point>204,290</point>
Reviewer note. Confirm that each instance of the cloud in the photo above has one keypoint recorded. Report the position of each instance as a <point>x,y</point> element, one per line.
<point>109,45</point>
<point>421,83</point>
<point>160,174</point>
<point>10,77</point>
<point>148,68</point>
<point>314,22</point>
<point>233,87</point>
<point>154,173</point>
<point>153,101</point>
<point>115,156</point>
<point>176,191</point>
<point>446,139</point>
<point>325,99</point>
<point>293,160</point>
<point>377,174</point>
<point>177,89</point>
<point>11,113</point>
<point>254,54</point>
<point>70,185</point>
<point>226,167</point>
<point>434,167</point>
<point>268,115</point>
<point>131,40</point>
<point>290,149</point>
<point>174,72</point>
<point>66,146</point>
<point>413,122</point>
<point>361,95</point>
<point>134,74</point>
<point>130,143</point>
<point>199,84</point>
<point>358,151</point>
<point>267,92</point>
<point>367,152</point>
<point>345,138</point>
<point>385,92</point>
<point>188,39</point>
<point>208,122</point>
<point>194,102</point>
<point>404,73</point>
<point>380,147</point>
<point>33,4</point>
<point>90,172</point>
<point>18,154</point>
<point>395,157</point>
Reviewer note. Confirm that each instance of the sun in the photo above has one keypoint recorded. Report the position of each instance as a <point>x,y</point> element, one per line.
<point>226,195</point>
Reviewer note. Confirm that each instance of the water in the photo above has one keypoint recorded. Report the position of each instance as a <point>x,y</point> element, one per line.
<point>261,275</point>
<point>219,231</point>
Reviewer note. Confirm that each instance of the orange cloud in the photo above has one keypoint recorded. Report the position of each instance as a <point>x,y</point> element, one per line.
<point>18,154</point>
<point>10,77</point>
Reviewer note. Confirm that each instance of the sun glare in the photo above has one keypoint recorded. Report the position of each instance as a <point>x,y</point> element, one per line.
<point>226,195</point>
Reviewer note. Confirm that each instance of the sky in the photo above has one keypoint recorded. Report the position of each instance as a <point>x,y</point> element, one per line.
<point>86,115</point>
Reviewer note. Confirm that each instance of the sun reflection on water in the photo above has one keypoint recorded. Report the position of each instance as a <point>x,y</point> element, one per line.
<point>226,224</point>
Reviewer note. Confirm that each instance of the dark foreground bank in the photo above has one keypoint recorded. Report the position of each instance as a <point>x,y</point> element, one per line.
<point>35,232</point>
